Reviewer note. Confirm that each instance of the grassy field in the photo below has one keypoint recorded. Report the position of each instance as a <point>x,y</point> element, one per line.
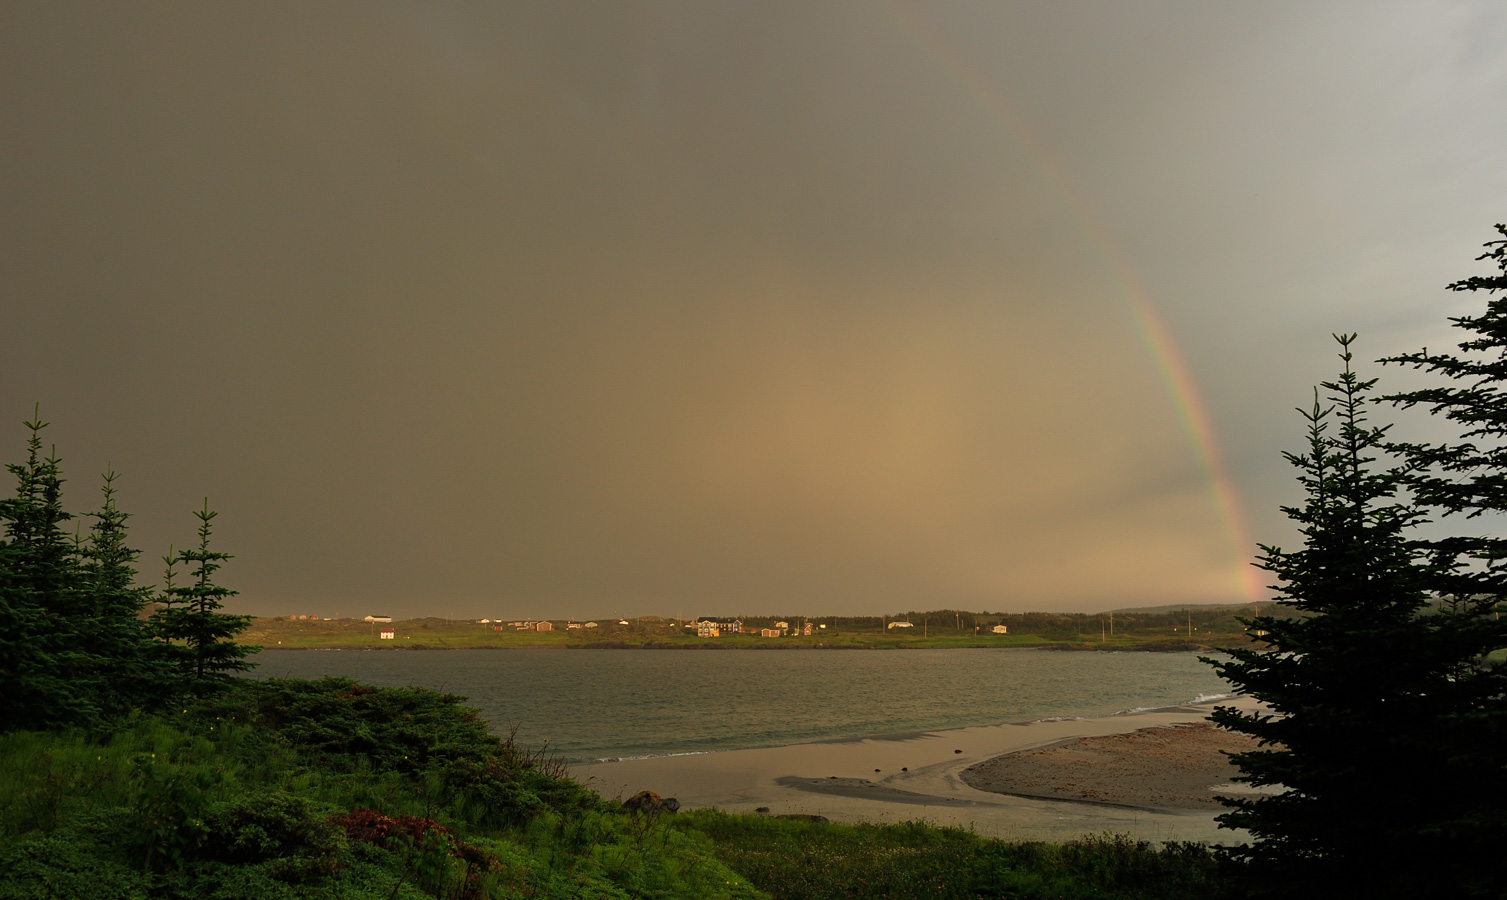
<point>804,860</point>
<point>442,634</point>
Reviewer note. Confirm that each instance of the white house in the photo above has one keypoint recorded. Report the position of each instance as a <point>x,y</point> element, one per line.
<point>900,625</point>
<point>1000,629</point>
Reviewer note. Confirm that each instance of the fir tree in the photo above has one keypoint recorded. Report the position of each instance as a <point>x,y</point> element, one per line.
<point>190,618</point>
<point>1376,730</point>
<point>134,668</point>
<point>1468,478</point>
<point>47,678</point>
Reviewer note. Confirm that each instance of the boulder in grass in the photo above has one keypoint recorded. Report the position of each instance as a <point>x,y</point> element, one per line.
<point>651,803</point>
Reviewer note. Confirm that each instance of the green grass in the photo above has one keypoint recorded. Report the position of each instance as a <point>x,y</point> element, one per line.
<point>234,798</point>
<point>802,860</point>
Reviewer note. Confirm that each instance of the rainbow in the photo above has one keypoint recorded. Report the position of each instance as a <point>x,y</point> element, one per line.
<point>1175,376</point>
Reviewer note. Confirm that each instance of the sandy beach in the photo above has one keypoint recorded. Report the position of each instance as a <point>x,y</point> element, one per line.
<point>1152,775</point>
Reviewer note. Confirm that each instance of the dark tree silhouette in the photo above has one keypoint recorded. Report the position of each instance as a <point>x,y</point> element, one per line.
<point>42,663</point>
<point>1385,719</point>
<point>133,667</point>
<point>190,620</point>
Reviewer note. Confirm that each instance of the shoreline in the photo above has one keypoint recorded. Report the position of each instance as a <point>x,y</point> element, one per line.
<point>1029,781</point>
<point>1207,701</point>
<point>1062,647</point>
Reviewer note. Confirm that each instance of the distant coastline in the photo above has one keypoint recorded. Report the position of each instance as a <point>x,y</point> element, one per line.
<point>442,634</point>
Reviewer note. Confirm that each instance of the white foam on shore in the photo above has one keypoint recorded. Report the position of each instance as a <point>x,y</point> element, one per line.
<point>1210,698</point>
<point>608,759</point>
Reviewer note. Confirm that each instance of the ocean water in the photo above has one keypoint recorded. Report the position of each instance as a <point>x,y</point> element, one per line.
<point>588,705</point>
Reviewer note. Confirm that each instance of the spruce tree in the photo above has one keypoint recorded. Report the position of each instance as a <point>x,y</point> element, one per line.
<point>1467,479</point>
<point>190,619</point>
<point>134,667</point>
<point>48,677</point>
<point>1389,778</point>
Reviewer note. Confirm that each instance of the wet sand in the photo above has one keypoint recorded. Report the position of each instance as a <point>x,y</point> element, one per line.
<point>1173,767</point>
<point>1151,775</point>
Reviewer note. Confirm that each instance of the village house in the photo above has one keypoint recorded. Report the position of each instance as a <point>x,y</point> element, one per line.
<point>709,627</point>
<point>808,630</point>
<point>377,619</point>
<point>387,634</point>
<point>544,626</point>
<point>1000,629</point>
<point>771,632</point>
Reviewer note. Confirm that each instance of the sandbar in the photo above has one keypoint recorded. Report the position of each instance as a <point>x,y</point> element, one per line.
<point>1151,775</point>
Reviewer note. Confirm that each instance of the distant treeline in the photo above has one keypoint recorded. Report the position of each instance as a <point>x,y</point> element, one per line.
<point>1053,625</point>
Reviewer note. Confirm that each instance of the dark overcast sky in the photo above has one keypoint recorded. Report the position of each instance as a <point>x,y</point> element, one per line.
<point>561,309</point>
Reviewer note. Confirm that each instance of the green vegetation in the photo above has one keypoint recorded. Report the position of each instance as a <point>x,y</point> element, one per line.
<point>1385,714</point>
<point>282,789</point>
<point>803,860</point>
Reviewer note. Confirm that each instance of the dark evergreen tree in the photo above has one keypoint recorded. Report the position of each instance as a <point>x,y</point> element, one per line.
<point>134,668</point>
<point>1468,478</point>
<point>190,619</point>
<point>1380,729</point>
<point>47,677</point>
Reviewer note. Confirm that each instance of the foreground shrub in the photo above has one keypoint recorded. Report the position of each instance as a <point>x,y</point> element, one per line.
<point>798,859</point>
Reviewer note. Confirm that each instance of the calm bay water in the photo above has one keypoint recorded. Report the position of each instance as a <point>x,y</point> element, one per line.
<point>592,705</point>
